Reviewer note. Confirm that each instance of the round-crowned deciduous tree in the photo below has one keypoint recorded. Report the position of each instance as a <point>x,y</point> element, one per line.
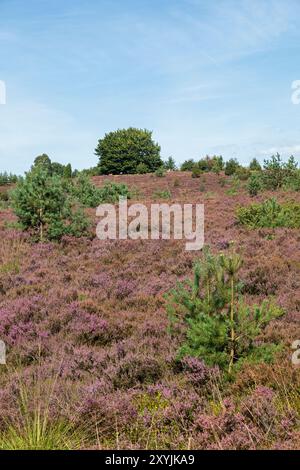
<point>43,161</point>
<point>124,150</point>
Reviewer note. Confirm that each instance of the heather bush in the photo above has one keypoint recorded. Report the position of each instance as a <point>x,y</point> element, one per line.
<point>125,287</point>
<point>81,362</point>
<point>135,370</point>
<point>256,425</point>
<point>90,328</point>
<point>270,214</point>
<point>197,372</point>
<point>255,421</point>
<point>226,428</point>
<point>260,281</point>
<point>66,308</point>
<point>219,327</point>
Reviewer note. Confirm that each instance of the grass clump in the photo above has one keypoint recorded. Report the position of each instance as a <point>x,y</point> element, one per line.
<point>32,427</point>
<point>36,434</point>
<point>162,194</point>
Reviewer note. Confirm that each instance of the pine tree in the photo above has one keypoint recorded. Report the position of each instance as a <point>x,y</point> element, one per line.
<point>219,328</point>
<point>43,205</point>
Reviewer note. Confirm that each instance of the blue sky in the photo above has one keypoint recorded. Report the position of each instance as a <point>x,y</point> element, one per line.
<point>206,76</point>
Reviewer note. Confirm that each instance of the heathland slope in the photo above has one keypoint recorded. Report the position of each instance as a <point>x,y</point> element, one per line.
<point>86,330</point>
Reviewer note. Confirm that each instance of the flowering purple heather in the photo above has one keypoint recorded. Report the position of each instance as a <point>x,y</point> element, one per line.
<point>88,318</point>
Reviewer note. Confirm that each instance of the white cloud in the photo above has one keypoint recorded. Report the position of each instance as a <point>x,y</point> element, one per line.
<point>286,150</point>
<point>30,128</point>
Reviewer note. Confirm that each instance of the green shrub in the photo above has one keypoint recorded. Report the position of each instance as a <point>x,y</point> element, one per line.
<point>218,164</point>
<point>44,207</point>
<point>205,164</point>
<point>142,169</point>
<point>255,184</point>
<point>164,194</point>
<point>91,196</point>
<point>170,164</point>
<point>235,186</point>
<point>4,196</point>
<point>231,167</point>
<point>231,192</point>
<point>86,193</point>
<point>210,195</point>
<point>219,327</point>
<point>111,192</point>
<point>52,168</point>
<point>7,178</point>
<point>214,164</point>
<point>255,165</point>
<point>270,214</point>
<point>160,172</point>
<point>293,181</point>
<point>242,173</point>
<point>68,172</point>
<point>222,182</point>
<point>276,172</point>
<point>188,165</point>
<point>196,172</point>
<point>93,171</point>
